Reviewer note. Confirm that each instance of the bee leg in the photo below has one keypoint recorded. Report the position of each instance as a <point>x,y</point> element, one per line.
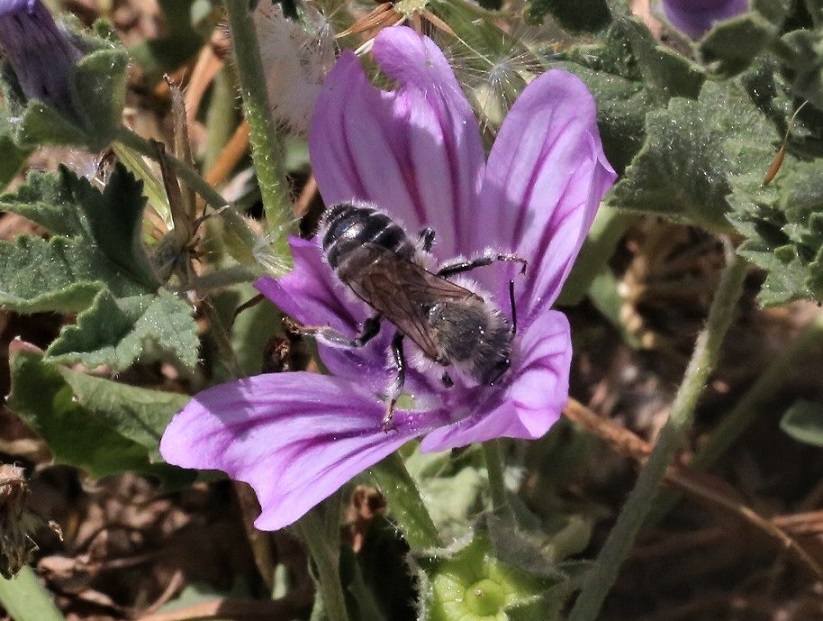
<point>426,239</point>
<point>481,261</point>
<point>447,380</point>
<point>399,380</point>
<point>330,336</point>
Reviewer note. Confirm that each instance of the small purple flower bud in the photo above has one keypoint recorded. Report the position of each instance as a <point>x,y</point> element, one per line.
<point>40,53</point>
<point>695,18</point>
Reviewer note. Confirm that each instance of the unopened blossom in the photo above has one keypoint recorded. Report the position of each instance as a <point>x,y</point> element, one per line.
<point>416,152</point>
<point>40,53</point>
<point>696,17</point>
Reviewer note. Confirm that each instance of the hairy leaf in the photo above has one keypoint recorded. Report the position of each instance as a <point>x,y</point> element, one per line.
<point>139,414</point>
<point>115,332</point>
<point>682,172</point>
<point>77,436</point>
<point>97,244</point>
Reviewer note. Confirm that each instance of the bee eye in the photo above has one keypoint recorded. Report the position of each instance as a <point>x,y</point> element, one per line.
<point>499,368</point>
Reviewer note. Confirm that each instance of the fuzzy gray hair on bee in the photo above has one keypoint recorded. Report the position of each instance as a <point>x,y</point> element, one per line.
<point>452,325</point>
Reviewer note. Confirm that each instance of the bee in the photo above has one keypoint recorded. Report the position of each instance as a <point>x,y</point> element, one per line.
<point>451,324</point>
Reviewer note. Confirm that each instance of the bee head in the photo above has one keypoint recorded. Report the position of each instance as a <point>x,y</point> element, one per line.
<point>475,336</point>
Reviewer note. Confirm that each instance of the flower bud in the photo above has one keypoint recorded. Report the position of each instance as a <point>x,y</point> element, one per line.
<point>40,54</point>
<point>695,18</point>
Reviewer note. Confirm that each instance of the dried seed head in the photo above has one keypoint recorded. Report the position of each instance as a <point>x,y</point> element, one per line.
<point>17,522</point>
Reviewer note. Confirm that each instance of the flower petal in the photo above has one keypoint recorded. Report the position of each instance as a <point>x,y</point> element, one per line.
<point>296,438</point>
<point>416,151</point>
<point>544,181</point>
<point>310,292</point>
<point>534,400</point>
<point>312,295</point>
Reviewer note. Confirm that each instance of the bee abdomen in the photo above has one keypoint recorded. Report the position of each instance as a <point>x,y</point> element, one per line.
<point>346,227</point>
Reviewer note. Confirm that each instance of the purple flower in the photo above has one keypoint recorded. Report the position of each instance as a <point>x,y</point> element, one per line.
<point>417,153</point>
<point>39,52</point>
<point>696,17</point>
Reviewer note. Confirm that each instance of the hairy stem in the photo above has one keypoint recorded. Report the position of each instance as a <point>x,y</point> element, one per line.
<point>497,485</point>
<point>267,150</point>
<point>405,503</point>
<point>234,222</point>
<point>326,556</point>
<point>640,501</point>
<point>25,599</point>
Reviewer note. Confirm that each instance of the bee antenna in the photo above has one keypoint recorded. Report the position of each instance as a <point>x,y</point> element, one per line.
<point>514,307</point>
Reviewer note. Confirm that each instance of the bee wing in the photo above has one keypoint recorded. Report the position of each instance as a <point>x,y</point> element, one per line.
<point>404,292</point>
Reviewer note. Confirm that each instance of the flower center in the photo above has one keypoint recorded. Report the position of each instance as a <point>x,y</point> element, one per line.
<point>485,598</point>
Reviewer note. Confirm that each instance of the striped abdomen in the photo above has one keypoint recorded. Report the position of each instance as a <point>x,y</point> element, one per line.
<point>346,227</point>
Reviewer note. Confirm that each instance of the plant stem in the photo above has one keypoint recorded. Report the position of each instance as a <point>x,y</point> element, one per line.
<point>187,173</point>
<point>25,599</point>
<point>497,485</point>
<point>639,504</point>
<point>221,116</point>
<point>327,560</point>
<point>764,390</point>
<point>234,222</point>
<point>405,503</point>
<point>267,150</point>
<point>753,403</point>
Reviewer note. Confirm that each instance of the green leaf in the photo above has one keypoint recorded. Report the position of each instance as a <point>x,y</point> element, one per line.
<point>76,436</point>
<point>139,414</point>
<point>665,72</point>
<point>782,221</point>
<point>47,200</point>
<point>69,205</point>
<point>455,489</point>
<point>682,172</point>
<point>115,332</point>
<point>13,156</point>
<point>113,221</point>
<point>101,247</point>
<point>733,45</point>
<point>60,275</point>
<point>99,90</point>
<point>803,421</point>
<point>41,125</point>
<point>406,505</point>
<point>807,48</point>
<point>98,256</point>
<point>630,75</point>
<point>785,276</point>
